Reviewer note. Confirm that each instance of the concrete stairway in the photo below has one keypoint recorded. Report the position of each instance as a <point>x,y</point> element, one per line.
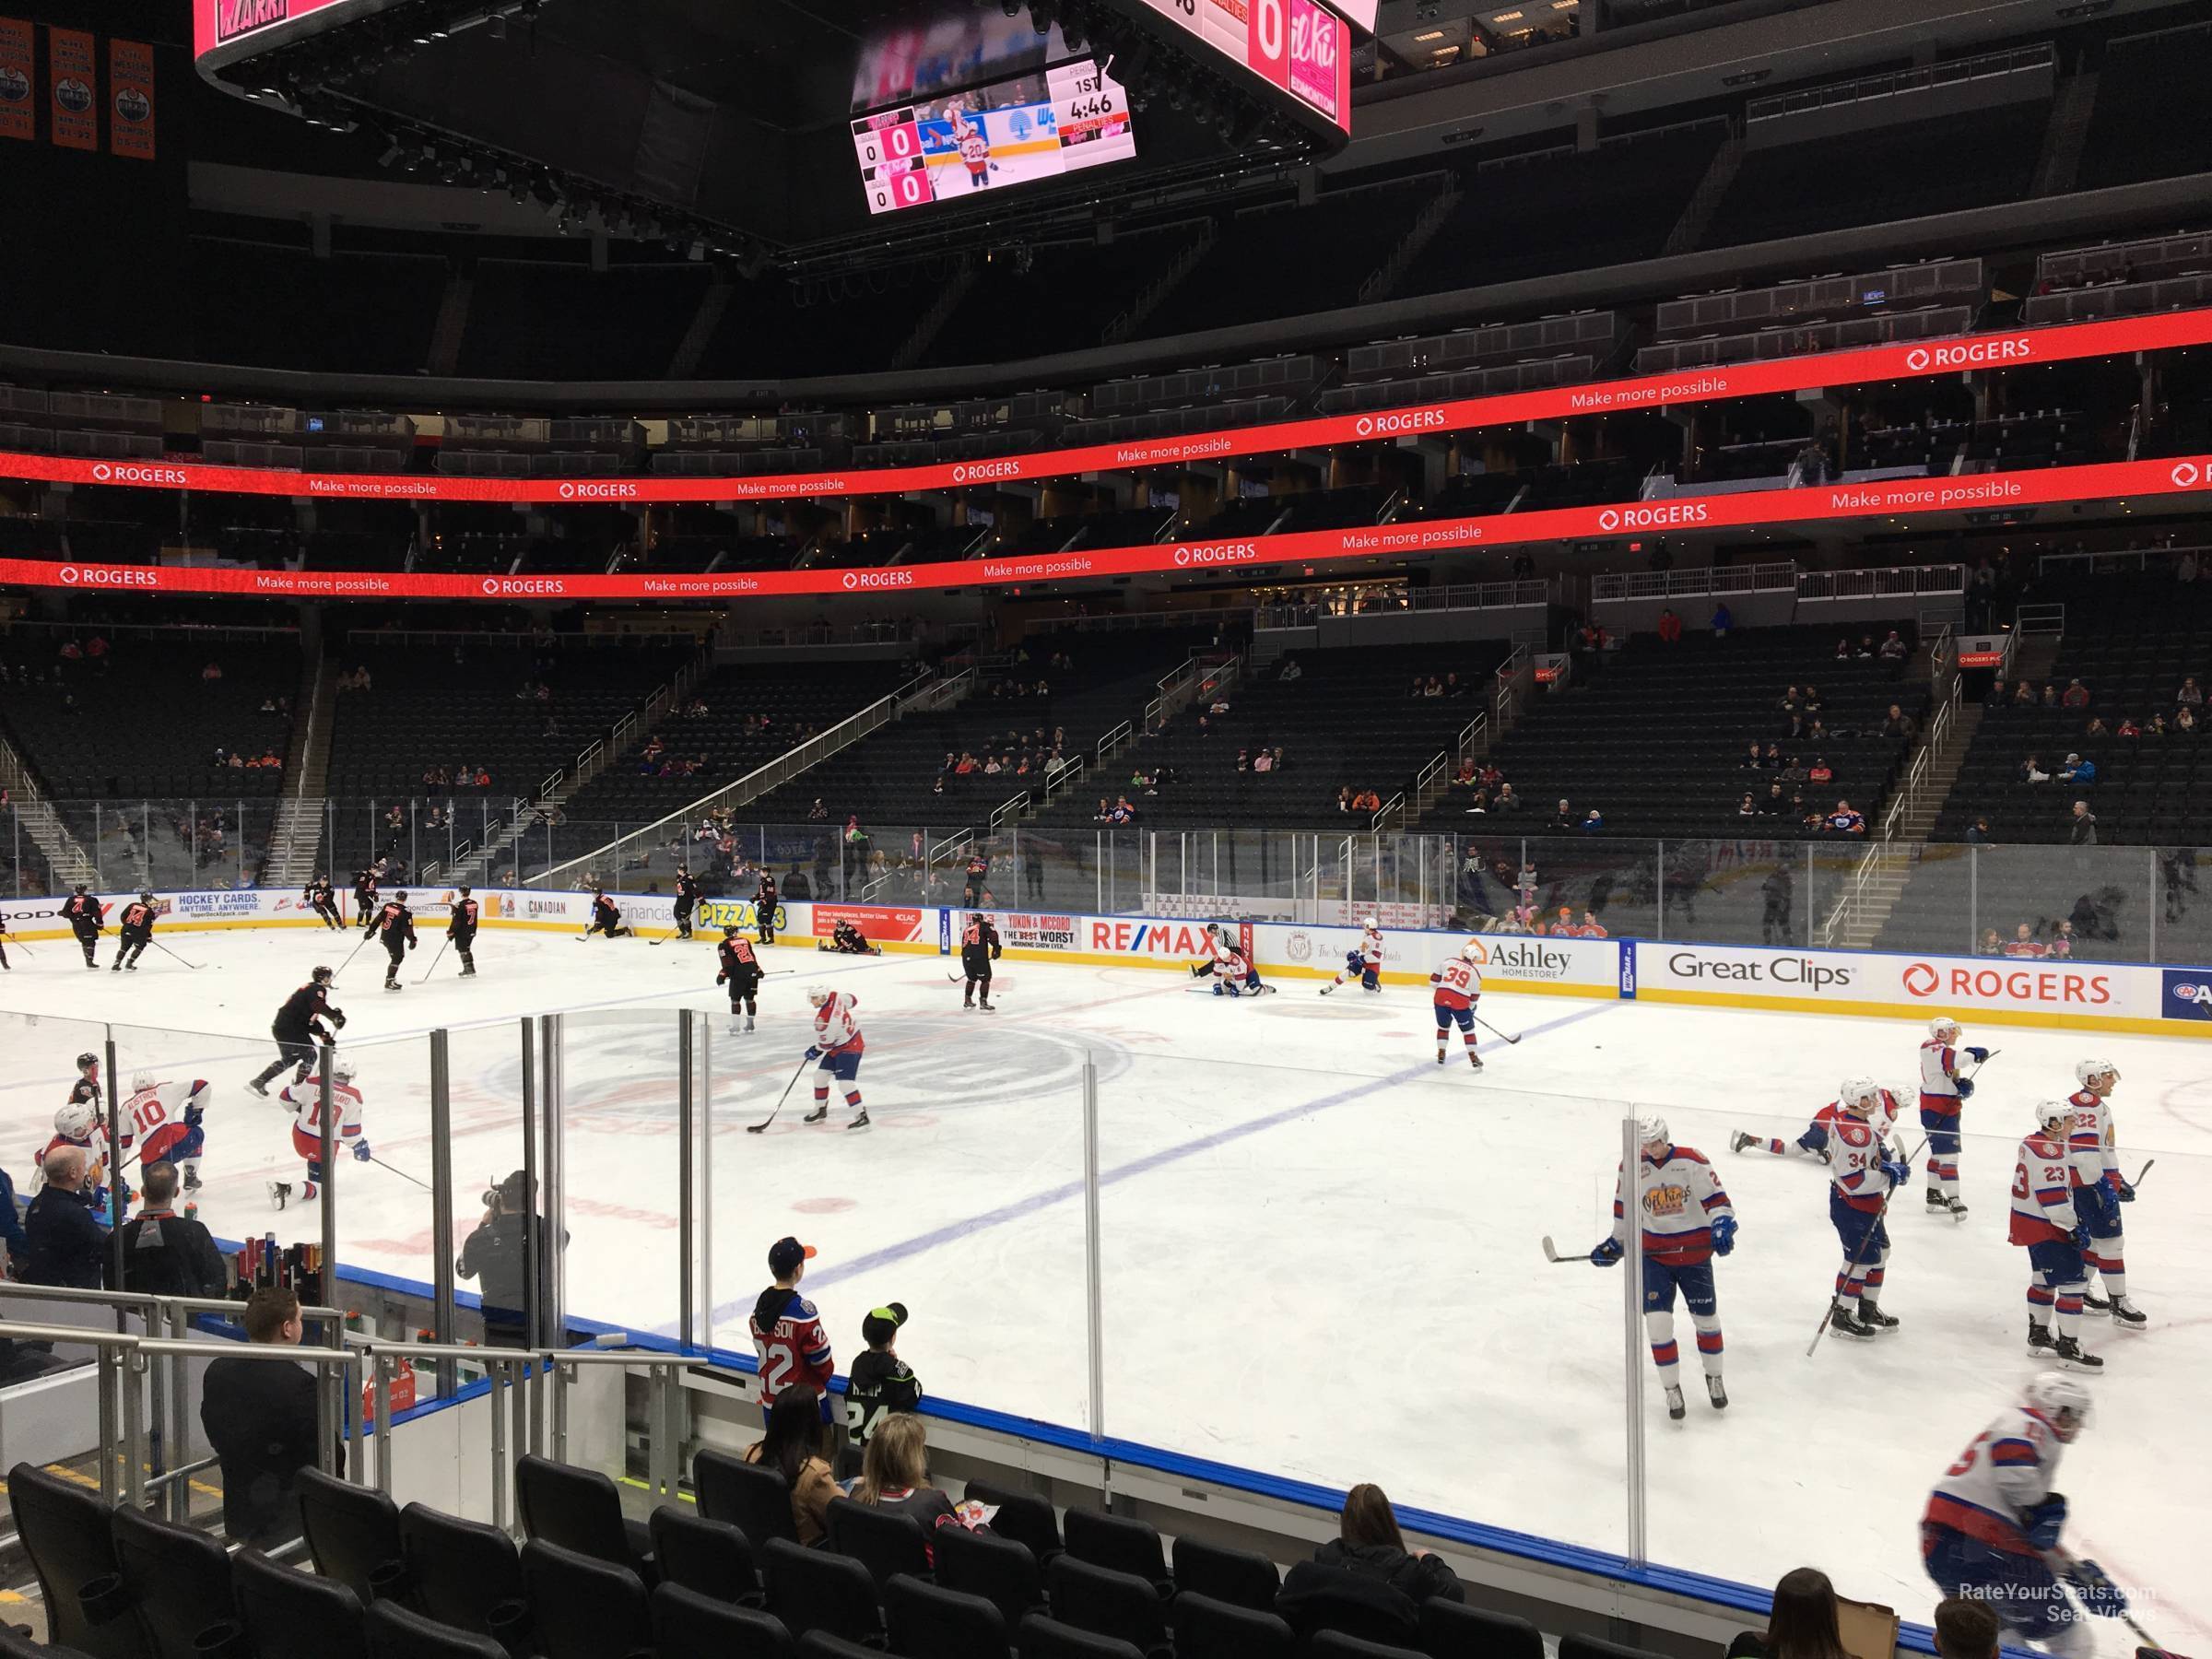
<point>296,838</point>
<point>65,856</point>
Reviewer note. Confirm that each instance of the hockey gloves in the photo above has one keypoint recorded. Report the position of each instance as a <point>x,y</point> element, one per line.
<point>2043,1522</point>
<point>360,1151</point>
<point>814,1054</point>
<point>1607,1255</point>
<point>2122,1189</point>
<point>1980,1056</point>
<point>1966,1088</point>
<point>1724,1235</point>
<point>721,979</point>
<point>1899,1173</point>
<point>2099,1593</point>
<point>2082,1236</point>
<point>193,1114</point>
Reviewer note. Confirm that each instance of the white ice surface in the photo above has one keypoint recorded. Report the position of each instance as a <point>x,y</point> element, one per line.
<point>1320,1250</point>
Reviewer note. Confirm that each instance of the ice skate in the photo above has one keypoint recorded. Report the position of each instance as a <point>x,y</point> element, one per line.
<point>816,1115</point>
<point>2069,1354</point>
<point>1675,1407</point>
<point>1716,1393</point>
<point>861,1121</point>
<point>1739,1140</point>
<point>2039,1339</point>
<point>280,1193</point>
<point>1874,1319</point>
<point>1845,1323</point>
<point>2126,1316</point>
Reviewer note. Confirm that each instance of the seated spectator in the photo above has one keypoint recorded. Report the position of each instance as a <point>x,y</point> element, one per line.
<point>1367,800</point>
<point>1243,760</point>
<point>1843,648</point>
<point>1452,688</point>
<point>1747,808</point>
<point>1867,647</point>
<point>1220,706</point>
<point>1367,1564</point>
<point>1478,804</point>
<point>1991,944</point>
<point>63,1243</point>
<point>214,671</point>
<point>1845,820</point>
<point>2190,696</point>
<point>2050,696</point>
<point>1754,757</point>
<point>894,1472</point>
<point>2023,695</point>
<point>1344,798</point>
<point>2076,696</point>
<point>1819,772</point>
<point>1790,699</point>
<point>1794,771</point>
<point>1969,1630</point>
<point>2158,726</point>
<point>2078,771</point>
<point>2184,723</point>
<point>1670,627</point>
<point>2081,828</point>
<point>2062,940</point>
<point>1592,822</point>
<point>2128,728</point>
<point>1505,800</point>
<point>1977,832</point>
<point>1288,671</point>
<point>1105,811</point>
<point>1898,723</point>
<point>2096,728</point>
<point>2023,942</point>
<point>1776,799</point>
<point>1590,927</point>
<point>1564,818</point>
<point>1263,762</point>
<point>259,1416</point>
<point>1772,760</point>
<point>1894,649</point>
<point>792,1447</point>
<point>1415,690</point>
<point>1999,695</point>
<point>2032,772</point>
<point>1435,688</point>
<point>1812,699</point>
<point>1817,729</point>
<point>1464,777</point>
<point>1802,1624</point>
<point>165,1254</point>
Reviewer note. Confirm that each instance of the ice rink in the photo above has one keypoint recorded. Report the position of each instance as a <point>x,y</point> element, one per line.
<point>1321,1249</point>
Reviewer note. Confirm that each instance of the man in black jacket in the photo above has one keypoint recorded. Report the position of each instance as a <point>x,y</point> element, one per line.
<point>63,1243</point>
<point>167,1254</point>
<point>260,1418</point>
<point>493,1255</point>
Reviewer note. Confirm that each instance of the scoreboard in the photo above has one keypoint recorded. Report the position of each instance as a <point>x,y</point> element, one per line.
<point>1301,47</point>
<point>1070,117</point>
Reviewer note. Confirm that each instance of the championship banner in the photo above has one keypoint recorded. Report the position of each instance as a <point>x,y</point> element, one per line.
<point>72,79</point>
<point>1892,498</point>
<point>18,118</point>
<point>131,99</point>
<point>2068,342</point>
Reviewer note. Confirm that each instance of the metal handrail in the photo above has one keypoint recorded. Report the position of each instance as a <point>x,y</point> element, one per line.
<point>1014,807</point>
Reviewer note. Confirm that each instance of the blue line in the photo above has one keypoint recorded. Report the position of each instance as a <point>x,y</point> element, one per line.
<point>1364,1090</point>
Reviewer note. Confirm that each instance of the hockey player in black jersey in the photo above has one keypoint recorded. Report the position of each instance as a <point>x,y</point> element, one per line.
<point>605,918</point>
<point>318,896</point>
<point>85,1091</point>
<point>364,899</point>
<point>461,928</point>
<point>979,950</point>
<point>764,908</point>
<point>135,931</point>
<point>85,913</point>
<point>686,897</point>
<point>848,940</point>
<point>299,1027</point>
<point>395,928</point>
<point>741,972</point>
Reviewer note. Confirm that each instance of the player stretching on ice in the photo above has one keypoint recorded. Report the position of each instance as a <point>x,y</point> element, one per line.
<point>2103,1189</point>
<point>741,972</point>
<point>979,950</point>
<point>134,933</point>
<point>1942,1092</point>
<point>306,1101</point>
<point>165,1131</point>
<point>1863,1172</point>
<point>1363,963</point>
<point>1813,1143</point>
<point>2044,1219</point>
<point>1991,1531</point>
<point>1234,973</point>
<point>1458,988</point>
<point>1687,1221</point>
<point>838,1045</point>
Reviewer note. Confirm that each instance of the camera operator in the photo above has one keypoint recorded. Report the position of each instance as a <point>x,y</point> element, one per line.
<point>494,1255</point>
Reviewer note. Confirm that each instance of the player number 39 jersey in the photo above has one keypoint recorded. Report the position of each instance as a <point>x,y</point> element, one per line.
<point>1457,984</point>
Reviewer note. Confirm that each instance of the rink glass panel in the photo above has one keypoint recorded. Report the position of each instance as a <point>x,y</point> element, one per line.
<point>1336,1276</point>
<point>486,1065</point>
<point>1908,1403</point>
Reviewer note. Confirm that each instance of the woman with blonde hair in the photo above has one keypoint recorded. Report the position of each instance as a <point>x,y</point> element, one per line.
<point>894,1472</point>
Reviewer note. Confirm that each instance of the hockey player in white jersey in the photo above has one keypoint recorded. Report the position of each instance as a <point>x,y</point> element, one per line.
<point>1991,1529</point>
<point>1458,987</point>
<point>1364,962</point>
<point>1234,973</point>
<point>1942,1094</point>
<point>1813,1143</point>
<point>2044,1219</point>
<point>2094,1145</point>
<point>838,1046</point>
<point>165,1120</point>
<point>1688,1221</point>
<point>1862,1171</point>
<point>306,1101</point>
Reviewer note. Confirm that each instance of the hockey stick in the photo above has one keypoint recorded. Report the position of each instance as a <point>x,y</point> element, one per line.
<point>380,1164</point>
<point>16,941</point>
<point>1493,1030</point>
<point>2064,1561</point>
<point>2140,1173</point>
<point>166,951</point>
<point>762,1127</point>
<point>354,952</point>
<point>1551,1254</point>
<point>1882,1214</point>
<point>434,961</point>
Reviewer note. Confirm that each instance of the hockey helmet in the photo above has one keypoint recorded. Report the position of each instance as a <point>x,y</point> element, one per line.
<point>1859,1093</point>
<point>466,889</point>
<point>1942,1023</point>
<point>75,1121</point>
<point>341,1071</point>
<point>1370,923</point>
<point>401,896</point>
<point>1470,952</point>
<point>85,1060</point>
<point>817,995</point>
<point>146,895</point>
<point>321,976</point>
<point>141,1081</point>
<point>2085,1069</point>
<point>2061,1401</point>
<point>1651,1131</point>
<point>2051,1115</point>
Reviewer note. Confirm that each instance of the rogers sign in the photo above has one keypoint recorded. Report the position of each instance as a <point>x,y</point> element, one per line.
<point>1654,518</point>
<point>143,576</point>
<point>987,469</point>
<point>1400,420</point>
<point>2044,986</point>
<point>598,492</point>
<point>106,472</point>
<point>1226,553</point>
